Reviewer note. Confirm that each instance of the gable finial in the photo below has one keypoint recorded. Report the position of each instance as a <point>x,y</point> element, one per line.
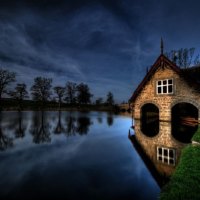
<point>161,45</point>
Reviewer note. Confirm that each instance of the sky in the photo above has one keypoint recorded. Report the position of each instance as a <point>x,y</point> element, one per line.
<point>107,44</point>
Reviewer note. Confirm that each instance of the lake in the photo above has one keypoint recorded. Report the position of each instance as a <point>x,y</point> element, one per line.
<point>71,155</point>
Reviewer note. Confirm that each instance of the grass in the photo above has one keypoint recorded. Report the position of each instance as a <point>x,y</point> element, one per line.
<point>185,182</point>
<point>196,136</point>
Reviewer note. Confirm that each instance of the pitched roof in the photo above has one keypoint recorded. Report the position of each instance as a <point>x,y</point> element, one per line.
<point>161,61</point>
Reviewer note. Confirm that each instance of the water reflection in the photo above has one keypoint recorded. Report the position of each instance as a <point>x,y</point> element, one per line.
<point>109,119</point>
<point>40,128</point>
<point>5,140</point>
<point>183,130</point>
<point>77,125</point>
<point>71,125</point>
<point>160,153</point>
<point>83,124</point>
<point>59,128</point>
<point>99,118</point>
<point>20,130</point>
<point>101,165</point>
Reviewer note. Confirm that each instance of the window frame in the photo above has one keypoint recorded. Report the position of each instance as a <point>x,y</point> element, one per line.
<point>165,86</point>
<point>166,155</point>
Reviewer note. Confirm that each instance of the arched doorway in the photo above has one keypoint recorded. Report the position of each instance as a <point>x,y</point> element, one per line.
<point>150,119</point>
<point>184,117</point>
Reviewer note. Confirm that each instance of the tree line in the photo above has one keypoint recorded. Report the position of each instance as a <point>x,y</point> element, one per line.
<point>42,91</point>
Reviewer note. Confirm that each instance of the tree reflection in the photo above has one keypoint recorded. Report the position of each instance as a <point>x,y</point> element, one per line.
<point>78,125</point>
<point>110,119</point>
<point>59,128</point>
<point>99,119</point>
<point>5,141</point>
<point>40,129</point>
<point>71,125</point>
<point>20,130</point>
<point>83,124</point>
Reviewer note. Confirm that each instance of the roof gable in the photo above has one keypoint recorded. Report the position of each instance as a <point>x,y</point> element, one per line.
<point>161,62</point>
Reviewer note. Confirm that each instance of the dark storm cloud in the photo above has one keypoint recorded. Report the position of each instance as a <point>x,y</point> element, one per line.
<point>100,42</point>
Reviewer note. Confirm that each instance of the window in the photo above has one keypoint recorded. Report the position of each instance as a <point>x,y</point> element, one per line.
<point>165,86</point>
<point>166,155</point>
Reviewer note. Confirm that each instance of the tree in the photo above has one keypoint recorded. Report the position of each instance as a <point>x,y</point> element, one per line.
<point>19,93</point>
<point>184,58</point>
<point>99,101</point>
<point>84,95</point>
<point>60,91</point>
<point>71,92</point>
<point>6,77</point>
<point>110,99</point>
<point>41,89</point>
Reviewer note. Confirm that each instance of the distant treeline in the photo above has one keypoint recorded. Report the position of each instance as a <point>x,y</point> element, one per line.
<point>44,95</point>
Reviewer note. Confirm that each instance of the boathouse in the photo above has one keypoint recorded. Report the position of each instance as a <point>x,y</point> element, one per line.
<point>166,111</point>
<point>168,90</point>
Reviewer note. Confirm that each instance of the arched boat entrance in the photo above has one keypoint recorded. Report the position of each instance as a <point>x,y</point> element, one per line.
<point>150,119</point>
<point>184,121</point>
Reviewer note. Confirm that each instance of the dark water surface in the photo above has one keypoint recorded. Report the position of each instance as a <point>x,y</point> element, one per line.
<point>71,155</point>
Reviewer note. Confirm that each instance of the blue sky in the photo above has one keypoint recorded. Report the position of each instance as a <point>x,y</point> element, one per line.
<point>107,44</point>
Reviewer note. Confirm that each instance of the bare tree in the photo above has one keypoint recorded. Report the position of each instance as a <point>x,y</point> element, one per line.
<point>184,58</point>
<point>60,91</point>
<point>41,89</point>
<point>71,89</point>
<point>19,93</point>
<point>6,77</point>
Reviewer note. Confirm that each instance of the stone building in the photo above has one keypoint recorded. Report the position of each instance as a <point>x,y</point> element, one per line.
<point>166,111</point>
<point>165,88</point>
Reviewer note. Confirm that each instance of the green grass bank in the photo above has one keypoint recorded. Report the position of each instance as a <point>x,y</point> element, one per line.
<point>185,182</point>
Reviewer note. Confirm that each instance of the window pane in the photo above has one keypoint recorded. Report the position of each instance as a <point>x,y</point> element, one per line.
<point>165,152</point>
<point>165,160</point>
<point>164,89</point>
<point>171,153</point>
<point>171,161</point>
<point>160,158</point>
<point>160,151</point>
<point>159,82</point>
<point>159,90</point>
<point>170,89</point>
<point>170,81</point>
<point>165,82</point>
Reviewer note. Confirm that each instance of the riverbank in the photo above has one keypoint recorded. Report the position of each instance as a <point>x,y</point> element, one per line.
<point>29,105</point>
<point>184,183</point>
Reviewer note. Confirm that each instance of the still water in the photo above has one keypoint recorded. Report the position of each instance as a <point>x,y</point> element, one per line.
<point>71,155</point>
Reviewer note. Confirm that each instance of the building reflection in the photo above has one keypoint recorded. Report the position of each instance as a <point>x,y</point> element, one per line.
<point>161,153</point>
